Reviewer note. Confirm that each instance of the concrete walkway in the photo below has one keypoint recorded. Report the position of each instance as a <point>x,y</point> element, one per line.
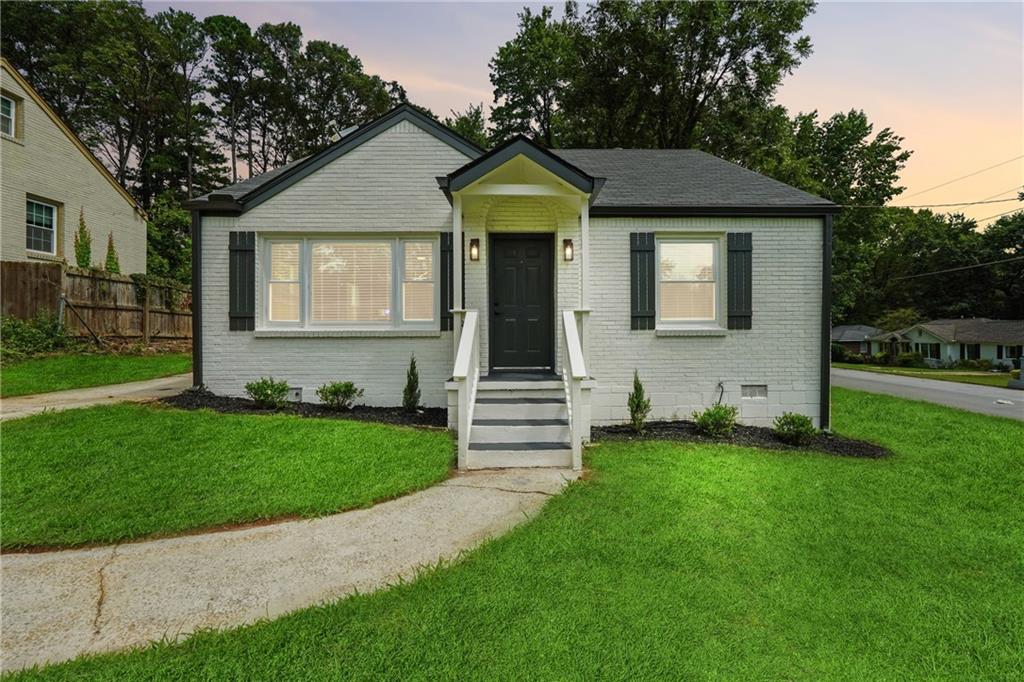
<point>1001,402</point>
<point>136,391</point>
<point>59,605</point>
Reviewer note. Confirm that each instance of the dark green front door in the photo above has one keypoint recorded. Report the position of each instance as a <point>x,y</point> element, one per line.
<point>522,301</point>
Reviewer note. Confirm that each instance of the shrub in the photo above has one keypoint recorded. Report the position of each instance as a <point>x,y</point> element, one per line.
<point>112,263</point>
<point>910,360</point>
<point>1015,374</point>
<point>717,420</point>
<point>838,353</point>
<point>795,429</point>
<point>339,395</point>
<point>855,359</point>
<point>880,358</point>
<point>267,393</point>
<point>411,393</point>
<point>42,334</point>
<point>83,243</point>
<point>639,404</point>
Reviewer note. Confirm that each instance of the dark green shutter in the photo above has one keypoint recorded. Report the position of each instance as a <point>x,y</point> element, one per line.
<point>447,277</point>
<point>739,270</point>
<point>642,280</point>
<point>241,281</point>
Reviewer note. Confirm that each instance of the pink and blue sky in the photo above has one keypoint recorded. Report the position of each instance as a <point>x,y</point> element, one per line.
<point>949,77</point>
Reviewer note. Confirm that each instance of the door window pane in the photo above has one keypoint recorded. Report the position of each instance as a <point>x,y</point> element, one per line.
<point>351,282</point>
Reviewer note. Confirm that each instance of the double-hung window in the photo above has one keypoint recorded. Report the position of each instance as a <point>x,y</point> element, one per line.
<point>350,283</point>
<point>41,227</point>
<point>687,282</point>
<point>8,114</point>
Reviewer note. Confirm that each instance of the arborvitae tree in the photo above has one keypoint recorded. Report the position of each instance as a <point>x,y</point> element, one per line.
<point>112,264</point>
<point>639,405</point>
<point>83,242</point>
<point>411,394</point>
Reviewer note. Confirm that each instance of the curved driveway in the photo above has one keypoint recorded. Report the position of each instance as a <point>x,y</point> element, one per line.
<point>1001,402</point>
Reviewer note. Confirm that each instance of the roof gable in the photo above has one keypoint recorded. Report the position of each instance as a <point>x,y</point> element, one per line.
<point>519,145</point>
<point>70,134</point>
<point>250,193</point>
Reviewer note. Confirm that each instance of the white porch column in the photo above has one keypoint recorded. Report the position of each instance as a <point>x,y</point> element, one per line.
<point>459,308</point>
<point>584,316</point>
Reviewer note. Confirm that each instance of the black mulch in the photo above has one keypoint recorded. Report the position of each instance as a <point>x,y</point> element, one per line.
<point>753,436</point>
<point>199,399</point>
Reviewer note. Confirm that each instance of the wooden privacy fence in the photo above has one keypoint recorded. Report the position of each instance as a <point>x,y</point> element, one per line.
<point>93,301</point>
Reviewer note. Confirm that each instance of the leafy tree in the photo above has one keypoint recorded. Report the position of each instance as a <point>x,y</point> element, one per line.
<point>470,124</point>
<point>112,264</point>
<point>229,72</point>
<point>83,242</point>
<point>900,318</point>
<point>169,242</point>
<point>1001,240</point>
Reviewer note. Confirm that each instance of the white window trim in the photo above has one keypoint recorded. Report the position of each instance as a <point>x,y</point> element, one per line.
<point>14,117</point>
<point>53,242</point>
<point>716,243</point>
<point>306,244</point>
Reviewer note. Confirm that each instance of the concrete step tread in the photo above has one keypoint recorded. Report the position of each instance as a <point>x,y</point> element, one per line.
<point>519,401</point>
<point>520,446</point>
<point>520,422</point>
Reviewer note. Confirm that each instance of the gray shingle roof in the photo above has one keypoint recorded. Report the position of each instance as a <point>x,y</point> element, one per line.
<point>240,189</point>
<point>682,178</point>
<point>853,332</point>
<point>973,330</point>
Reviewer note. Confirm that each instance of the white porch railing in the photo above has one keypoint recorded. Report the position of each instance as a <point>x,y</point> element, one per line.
<point>574,371</point>
<point>467,375</point>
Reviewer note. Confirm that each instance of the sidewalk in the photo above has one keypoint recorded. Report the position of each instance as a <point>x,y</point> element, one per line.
<point>136,391</point>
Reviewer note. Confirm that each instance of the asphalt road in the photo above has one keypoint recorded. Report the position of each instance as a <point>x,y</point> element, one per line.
<point>1002,402</point>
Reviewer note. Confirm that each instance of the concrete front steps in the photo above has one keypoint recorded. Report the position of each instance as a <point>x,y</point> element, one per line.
<point>519,420</point>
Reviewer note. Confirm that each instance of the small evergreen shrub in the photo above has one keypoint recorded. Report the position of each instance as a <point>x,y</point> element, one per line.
<point>795,429</point>
<point>112,263</point>
<point>854,359</point>
<point>639,404</point>
<point>267,393</point>
<point>838,353</point>
<point>339,395</point>
<point>910,360</point>
<point>20,339</point>
<point>880,358</point>
<point>716,421</point>
<point>411,394</point>
<point>83,243</point>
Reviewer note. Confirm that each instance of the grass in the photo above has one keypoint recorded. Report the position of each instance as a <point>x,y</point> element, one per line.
<point>691,561</point>
<point>962,376</point>
<point>61,372</point>
<point>119,472</point>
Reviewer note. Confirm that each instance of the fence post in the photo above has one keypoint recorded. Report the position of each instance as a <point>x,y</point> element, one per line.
<point>145,313</point>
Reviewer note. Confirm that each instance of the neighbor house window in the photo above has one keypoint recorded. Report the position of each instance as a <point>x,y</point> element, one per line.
<point>687,282</point>
<point>350,283</point>
<point>41,227</point>
<point>970,351</point>
<point>1010,352</point>
<point>929,351</point>
<point>8,113</point>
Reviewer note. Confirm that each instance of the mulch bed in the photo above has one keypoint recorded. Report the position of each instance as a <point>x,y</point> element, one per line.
<point>752,436</point>
<point>200,399</point>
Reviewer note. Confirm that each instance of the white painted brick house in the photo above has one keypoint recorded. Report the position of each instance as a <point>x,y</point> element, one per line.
<point>530,284</point>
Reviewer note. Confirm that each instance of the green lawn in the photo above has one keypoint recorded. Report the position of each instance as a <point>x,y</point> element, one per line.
<point>125,471</point>
<point>678,561</point>
<point>961,376</point>
<point>61,372</point>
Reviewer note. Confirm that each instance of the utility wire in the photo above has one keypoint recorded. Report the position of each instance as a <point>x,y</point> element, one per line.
<point>1018,188</point>
<point>966,267</point>
<point>969,175</point>
<point>959,203</point>
<point>999,215</point>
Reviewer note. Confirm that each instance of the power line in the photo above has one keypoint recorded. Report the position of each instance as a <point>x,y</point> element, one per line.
<point>959,203</point>
<point>998,215</point>
<point>966,267</point>
<point>1017,188</point>
<point>962,177</point>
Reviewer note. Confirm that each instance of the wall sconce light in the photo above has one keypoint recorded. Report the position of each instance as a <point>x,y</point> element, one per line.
<point>567,249</point>
<point>474,249</point>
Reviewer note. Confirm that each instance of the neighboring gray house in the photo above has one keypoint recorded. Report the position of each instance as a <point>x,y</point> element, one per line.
<point>529,284</point>
<point>944,342</point>
<point>855,338</point>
